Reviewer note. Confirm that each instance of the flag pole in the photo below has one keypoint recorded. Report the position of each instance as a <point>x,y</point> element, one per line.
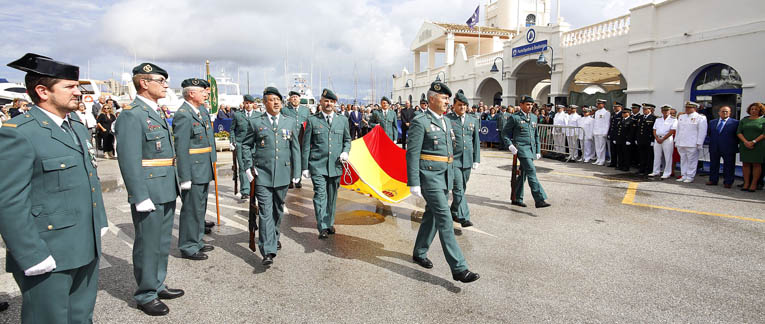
<point>215,164</point>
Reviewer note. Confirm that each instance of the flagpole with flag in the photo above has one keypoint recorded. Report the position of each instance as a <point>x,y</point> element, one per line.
<point>472,22</point>
<point>213,110</point>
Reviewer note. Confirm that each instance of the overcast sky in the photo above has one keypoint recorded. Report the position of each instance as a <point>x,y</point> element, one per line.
<point>106,37</point>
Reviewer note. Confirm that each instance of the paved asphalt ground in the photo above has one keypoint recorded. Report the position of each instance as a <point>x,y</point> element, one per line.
<point>607,251</point>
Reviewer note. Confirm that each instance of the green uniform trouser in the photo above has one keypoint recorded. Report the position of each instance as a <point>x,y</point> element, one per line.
<point>528,170</point>
<point>437,218</point>
<point>59,297</point>
<point>153,234</point>
<point>244,183</point>
<point>271,210</point>
<point>324,200</point>
<point>460,208</point>
<point>191,224</point>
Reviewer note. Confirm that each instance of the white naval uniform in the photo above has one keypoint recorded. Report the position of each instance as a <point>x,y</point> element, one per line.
<point>587,138</point>
<point>600,127</point>
<point>572,135</point>
<point>663,152</point>
<point>559,136</point>
<point>689,139</point>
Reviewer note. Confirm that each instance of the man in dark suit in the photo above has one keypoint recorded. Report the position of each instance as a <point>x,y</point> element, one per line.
<point>355,122</point>
<point>407,114</point>
<point>722,143</point>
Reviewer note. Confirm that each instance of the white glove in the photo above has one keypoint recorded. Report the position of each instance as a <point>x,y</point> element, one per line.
<point>539,156</point>
<point>145,206</point>
<point>306,174</point>
<point>344,156</point>
<point>700,147</point>
<point>628,143</point>
<point>417,191</point>
<point>652,144</point>
<point>186,185</point>
<point>295,180</point>
<point>475,165</point>
<point>232,146</point>
<point>250,177</point>
<point>513,149</point>
<point>104,230</point>
<point>45,266</point>
<point>614,142</point>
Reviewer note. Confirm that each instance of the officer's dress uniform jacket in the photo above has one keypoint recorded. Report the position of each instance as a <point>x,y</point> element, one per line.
<point>386,120</point>
<point>521,131</point>
<point>467,150</point>
<point>240,126</point>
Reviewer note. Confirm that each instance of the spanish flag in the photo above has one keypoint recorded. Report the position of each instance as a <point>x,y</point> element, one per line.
<point>377,168</point>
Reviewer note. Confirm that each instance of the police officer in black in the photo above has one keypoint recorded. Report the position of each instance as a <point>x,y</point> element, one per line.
<point>612,149</point>
<point>644,139</point>
<point>637,117</point>
<point>624,140</point>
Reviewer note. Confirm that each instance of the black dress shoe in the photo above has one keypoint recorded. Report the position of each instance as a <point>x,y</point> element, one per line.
<point>268,260</point>
<point>323,234</point>
<point>208,230</point>
<point>244,198</point>
<point>291,185</point>
<point>612,165</point>
<point>207,248</point>
<point>298,185</point>
<point>466,276</point>
<point>196,256</point>
<point>331,230</point>
<point>154,308</point>
<point>278,245</point>
<point>542,204</point>
<point>170,293</point>
<point>423,262</point>
<point>209,224</point>
<point>466,223</point>
<point>3,306</point>
<point>518,203</point>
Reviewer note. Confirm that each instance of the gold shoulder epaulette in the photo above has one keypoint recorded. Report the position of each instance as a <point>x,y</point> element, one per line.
<point>128,107</point>
<point>9,125</point>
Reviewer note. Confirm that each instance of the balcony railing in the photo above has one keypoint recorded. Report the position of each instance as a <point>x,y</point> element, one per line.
<point>611,28</point>
<point>487,59</point>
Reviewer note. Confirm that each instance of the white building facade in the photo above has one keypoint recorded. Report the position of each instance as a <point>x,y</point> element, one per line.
<point>662,53</point>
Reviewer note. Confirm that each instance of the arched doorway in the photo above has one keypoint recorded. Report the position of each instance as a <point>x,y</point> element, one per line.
<point>530,78</point>
<point>716,85</point>
<point>489,92</point>
<point>593,81</point>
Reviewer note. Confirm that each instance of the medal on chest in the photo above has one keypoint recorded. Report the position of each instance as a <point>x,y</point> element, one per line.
<point>158,145</point>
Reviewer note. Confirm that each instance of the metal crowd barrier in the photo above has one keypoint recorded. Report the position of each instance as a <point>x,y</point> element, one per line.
<point>561,140</point>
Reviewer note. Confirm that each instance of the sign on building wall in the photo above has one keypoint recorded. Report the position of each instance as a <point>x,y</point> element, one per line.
<point>530,48</point>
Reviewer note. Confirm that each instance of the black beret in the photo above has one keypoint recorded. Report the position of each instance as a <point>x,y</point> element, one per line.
<point>249,98</point>
<point>460,96</point>
<point>326,93</point>
<point>440,87</point>
<point>149,68</point>
<point>272,91</point>
<point>46,66</point>
<point>526,98</point>
<point>193,82</point>
<point>384,98</point>
<point>293,93</point>
<point>205,84</point>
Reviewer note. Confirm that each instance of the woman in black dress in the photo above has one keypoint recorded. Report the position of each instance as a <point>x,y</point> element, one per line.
<point>105,120</point>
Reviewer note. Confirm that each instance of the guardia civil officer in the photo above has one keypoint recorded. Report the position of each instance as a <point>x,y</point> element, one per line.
<point>270,151</point>
<point>326,145</point>
<point>240,126</point>
<point>467,155</point>
<point>386,118</point>
<point>301,113</point>
<point>194,142</point>
<point>146,158</point>
<point>206,86</point>
<point>521,136</point>
<point>430,175</point>
<point>52,216</point>
<point>644,139</point>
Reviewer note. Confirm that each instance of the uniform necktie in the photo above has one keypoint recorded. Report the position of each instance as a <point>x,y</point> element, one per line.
<point>720,125</point>
<point>69,130</point>
<point>329,120</point>
<point>273,121</point>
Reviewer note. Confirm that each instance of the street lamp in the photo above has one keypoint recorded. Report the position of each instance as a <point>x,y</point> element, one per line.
<point>543,61</point>
<point>407,83</point>
<point>438,79</point>
<point>494,67</point>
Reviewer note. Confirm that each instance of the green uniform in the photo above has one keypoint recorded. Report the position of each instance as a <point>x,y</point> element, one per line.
<point>301,114</point>
<point>271,150</point>
<point>431,137</point>
<point>521,131</point>
<point>467,150</point>
<point>502,118</point>
<point>322,145</point>
<point>145,145</point>
<point>240,125</point>
<point>51,206</point>
<point>195,155</point>
<point>386,120</point>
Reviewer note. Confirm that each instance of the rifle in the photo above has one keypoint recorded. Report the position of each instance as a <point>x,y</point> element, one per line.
<point>253,217</point>
<point>235,169</point>
<point>514,177</point>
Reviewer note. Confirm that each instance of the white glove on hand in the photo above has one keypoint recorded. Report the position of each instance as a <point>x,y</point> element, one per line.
<point>651,144</point>
<point>513,149</point>
<point>306,174</point>
<point>250,177</point>
<point>232,146</point>
<point>186,185</point>
<point>295,180</point>
<point>145,206</point>
<point>344,156</point>
<point>475,165</point>
<point>539,156</point>
<point>628,143</point>
<point>700,147</point>
<point>417,191</point>
<point>104,230</point>
<point>45,266</point>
